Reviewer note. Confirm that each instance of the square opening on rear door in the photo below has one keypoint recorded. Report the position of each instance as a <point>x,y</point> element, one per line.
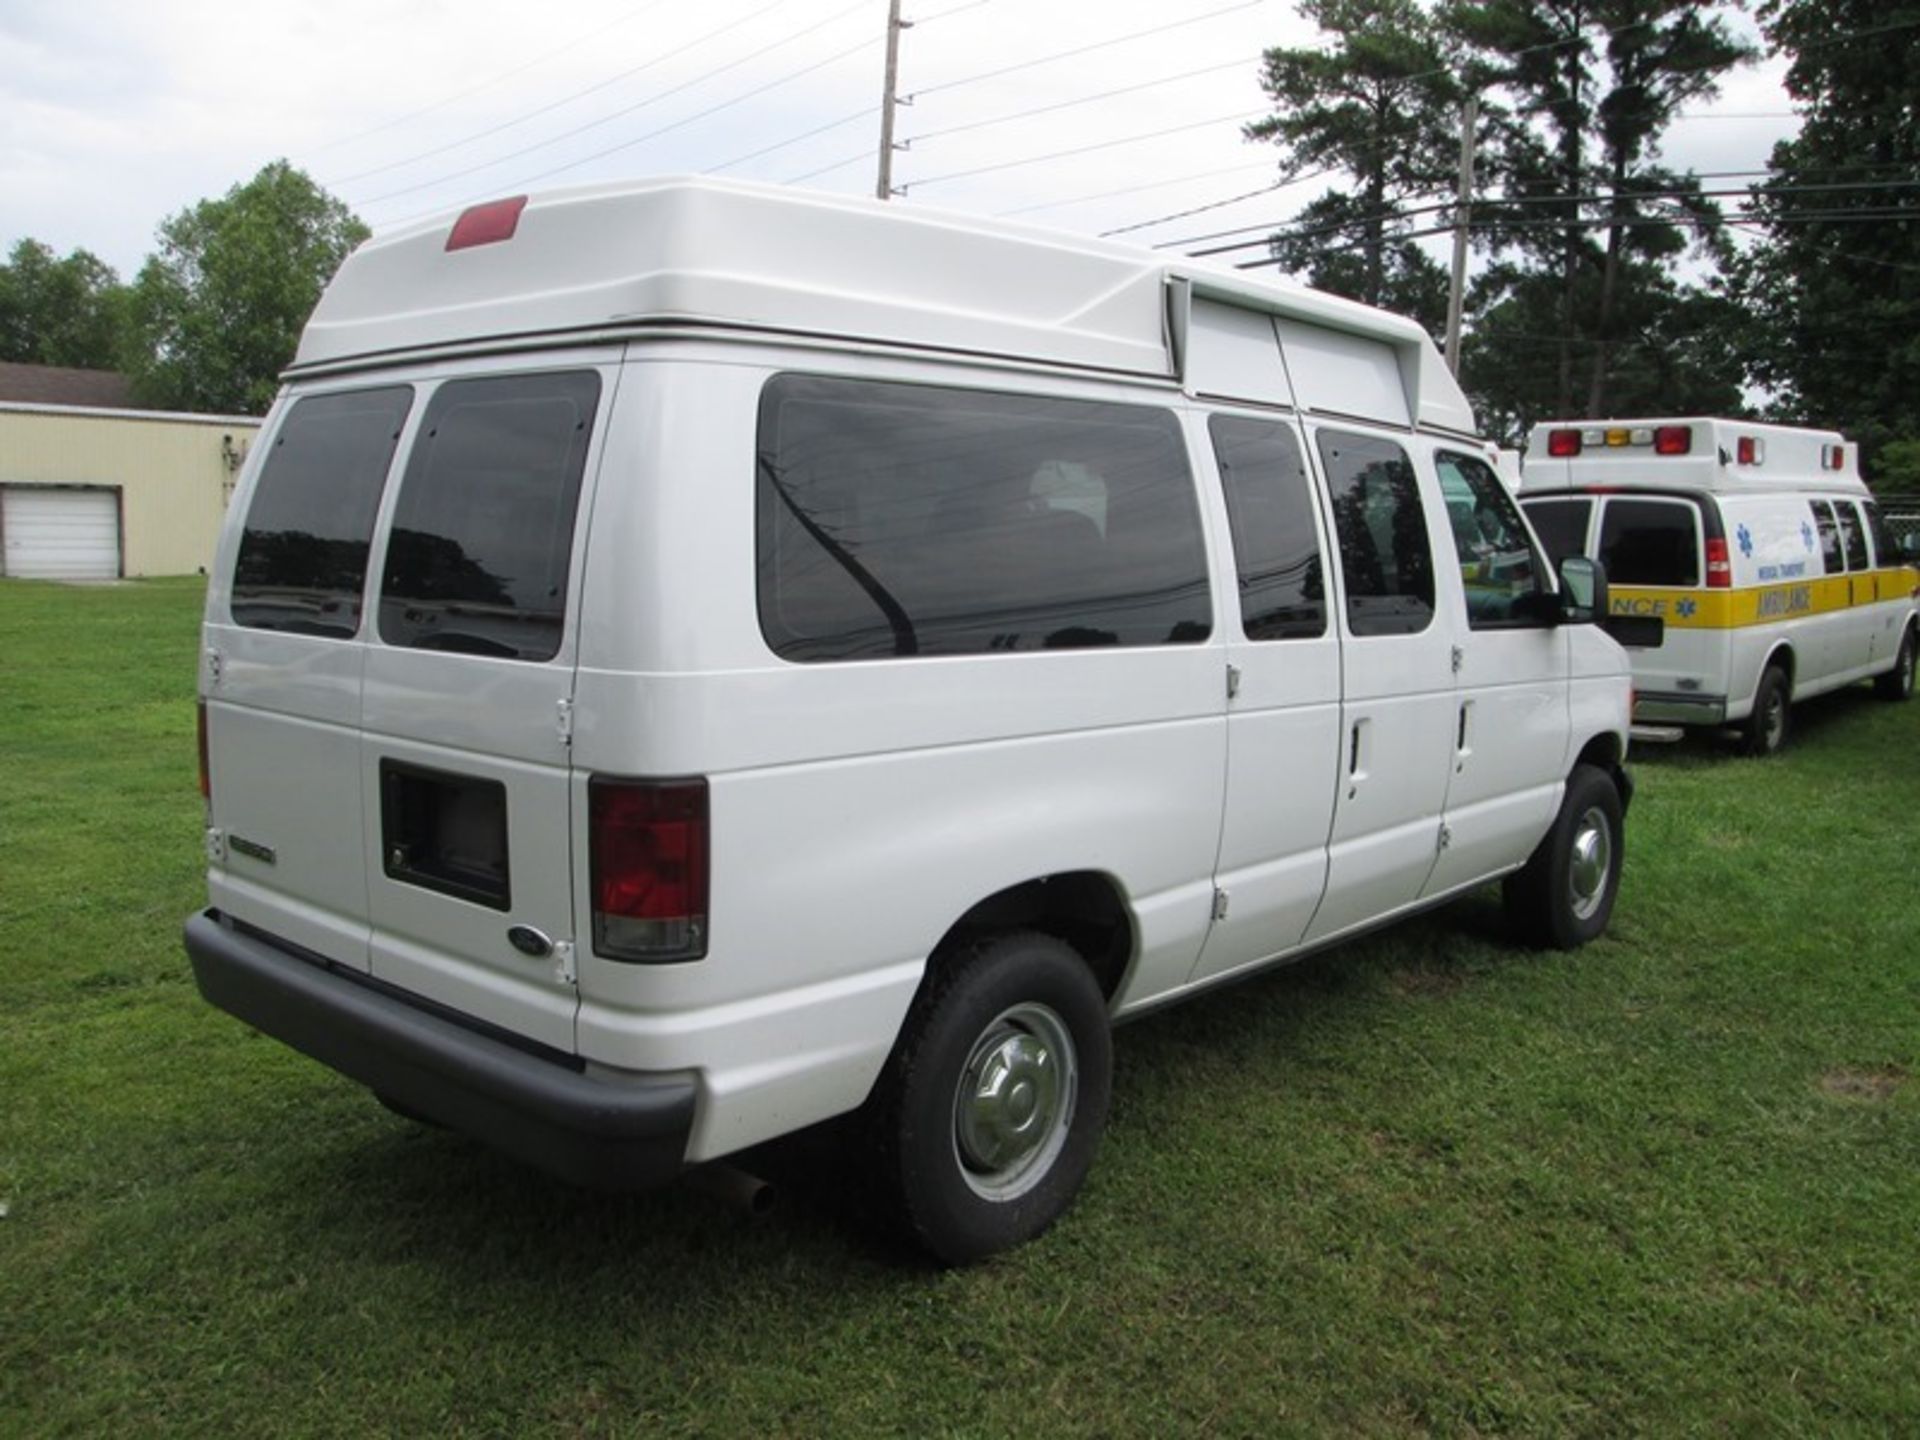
<point>445,832</point>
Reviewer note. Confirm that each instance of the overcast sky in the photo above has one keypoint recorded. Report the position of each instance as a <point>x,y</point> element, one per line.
<point>117,113</point>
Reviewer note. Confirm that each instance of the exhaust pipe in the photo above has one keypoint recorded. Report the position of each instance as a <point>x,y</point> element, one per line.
<point>751,1196</point>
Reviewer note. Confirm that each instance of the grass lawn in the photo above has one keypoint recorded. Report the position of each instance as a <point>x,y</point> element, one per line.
<point>1428,1183</point>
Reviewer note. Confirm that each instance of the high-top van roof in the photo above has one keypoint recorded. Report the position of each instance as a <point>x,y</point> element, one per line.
<point>693,251</point>
<point>1725,457</point>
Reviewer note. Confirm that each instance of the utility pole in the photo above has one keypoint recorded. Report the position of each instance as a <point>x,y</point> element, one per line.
<point>883,187</point>
<point>1462,204</point>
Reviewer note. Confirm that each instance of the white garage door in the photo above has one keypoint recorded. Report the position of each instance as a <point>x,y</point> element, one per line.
<point>54,534</point>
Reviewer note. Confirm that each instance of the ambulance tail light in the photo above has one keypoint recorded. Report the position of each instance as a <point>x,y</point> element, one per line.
<point>1719,567</point>
<point>648,848</point>
<point>1563,444</point>
<point>1673,440</point>
<point>1749,451</point>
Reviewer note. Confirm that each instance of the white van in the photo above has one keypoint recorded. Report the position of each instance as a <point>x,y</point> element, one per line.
<point>1759,546</point>
<point>689,660</point>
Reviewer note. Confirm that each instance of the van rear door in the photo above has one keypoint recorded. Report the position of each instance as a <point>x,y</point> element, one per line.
<point>466,717</point>
<point>283,667</point>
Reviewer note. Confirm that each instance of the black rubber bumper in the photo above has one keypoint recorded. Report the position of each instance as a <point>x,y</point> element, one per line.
<point>583,1129</point>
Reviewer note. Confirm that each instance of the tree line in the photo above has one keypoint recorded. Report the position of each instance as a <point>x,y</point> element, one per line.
<point>1609,283</point>
<point>215,312</point>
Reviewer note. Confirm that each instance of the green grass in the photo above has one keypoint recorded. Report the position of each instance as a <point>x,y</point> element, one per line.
<point>1429,1183</point>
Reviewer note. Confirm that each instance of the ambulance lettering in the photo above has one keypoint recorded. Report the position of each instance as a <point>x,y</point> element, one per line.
<point>1793,600</point>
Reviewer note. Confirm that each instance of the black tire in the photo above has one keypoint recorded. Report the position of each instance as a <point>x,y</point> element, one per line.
<point>967,1182</point>
<point>1765,731</point>
<point>1897,683</point>
<point>1563,896</point>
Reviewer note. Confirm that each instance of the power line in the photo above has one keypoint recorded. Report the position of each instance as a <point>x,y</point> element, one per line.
<point>701,79</point>
<point>1280,184</point>
<point>1083,100</point>
<point>680,124</point>
<point>564,100</point>
<point>488,84</point>
<point>1077,150</point>
<point>1082,50</point>
<point>1136,189</point>
<point>804,135</point>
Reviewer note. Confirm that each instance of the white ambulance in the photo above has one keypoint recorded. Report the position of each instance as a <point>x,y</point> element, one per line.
<point>1758,546</point>
<point>690,660</point>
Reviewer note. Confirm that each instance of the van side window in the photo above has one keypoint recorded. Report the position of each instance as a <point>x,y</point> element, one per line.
<point>482,536</point>
<point>303,556</point>
<point>1385,559</point>
<point>1650,542</point>
<point>1270,509</point>
<point>1496,557</point>
<point>1853,534</point>
<point>1885,552</point>
<point>896,519</point>
<point>1561,526</point>
<point>1830,551</point>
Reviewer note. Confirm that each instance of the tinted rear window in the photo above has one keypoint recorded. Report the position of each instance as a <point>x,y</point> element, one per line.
<point>1650,542</point>
<point>1561,526</point>
<point>917,520</point>
<point>303,556</point>
<point>1275,547</point>
<point>483,532</point>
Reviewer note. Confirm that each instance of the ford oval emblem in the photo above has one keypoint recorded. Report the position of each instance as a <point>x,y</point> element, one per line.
<point>529,941</point>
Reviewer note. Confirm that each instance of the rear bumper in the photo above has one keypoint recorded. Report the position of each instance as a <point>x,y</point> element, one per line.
<point>583,1128</point>
<point>1653,707</point>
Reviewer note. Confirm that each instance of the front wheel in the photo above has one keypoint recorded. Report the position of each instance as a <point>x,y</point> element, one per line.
<point>991,1106</point>
<point>1563,896</point>
<point>1897,683</point>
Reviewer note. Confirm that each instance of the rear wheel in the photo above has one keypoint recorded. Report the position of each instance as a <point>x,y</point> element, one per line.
<point>1564,895</point>
<point>990,1110</point>
<point>1897,683</point>
<point>1766,728</point>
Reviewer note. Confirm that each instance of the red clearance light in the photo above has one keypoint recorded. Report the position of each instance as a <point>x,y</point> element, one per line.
<point>1835,457</point>
<point>1673,440</point>
<point>1747,450</point>
<point>647,843</point>
<point>1563,444</point>
<point>206,770</point>
<point>486,224</point>
<point>1719,567</point>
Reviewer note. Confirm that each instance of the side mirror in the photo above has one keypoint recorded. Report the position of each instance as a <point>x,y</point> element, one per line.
<point>1583,591</point>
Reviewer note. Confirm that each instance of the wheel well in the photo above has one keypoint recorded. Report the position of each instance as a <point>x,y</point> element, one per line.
<point>1602,751</point>
<point>1780,656</point>
<point>1081,907</point>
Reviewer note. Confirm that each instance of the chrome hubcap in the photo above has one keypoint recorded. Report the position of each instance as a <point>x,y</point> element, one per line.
<point>1014,1103</point>
<point>1591,863</point>
<point>1776,725</point>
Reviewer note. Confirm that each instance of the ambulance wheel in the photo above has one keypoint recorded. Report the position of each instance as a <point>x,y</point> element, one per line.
<point>990,1109</point>
<point>1766,728</point>
<point>1563,896</point>
<point>1897,683</point>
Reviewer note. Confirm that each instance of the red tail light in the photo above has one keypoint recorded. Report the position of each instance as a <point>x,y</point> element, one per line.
<point>1673,440</point>
<point>648,845</point>
<point>206,770</point>
<point>1563,444</point>
<point>1719,568</point>
<point>486,224</point>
